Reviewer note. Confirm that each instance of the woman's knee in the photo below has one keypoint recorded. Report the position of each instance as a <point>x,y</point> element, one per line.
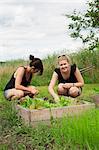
<point>60,88</point>
<point>74,92</point>
<point>9,93</point>
<point>13,93</point>
<point>19,94</point>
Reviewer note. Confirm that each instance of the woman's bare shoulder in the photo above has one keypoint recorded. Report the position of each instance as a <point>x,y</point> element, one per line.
<point>21,68</point>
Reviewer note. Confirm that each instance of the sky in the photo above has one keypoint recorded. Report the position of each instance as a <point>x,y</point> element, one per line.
<point>37,27</point>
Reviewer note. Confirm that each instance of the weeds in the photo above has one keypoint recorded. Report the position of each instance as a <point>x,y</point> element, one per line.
<point>68,133</point>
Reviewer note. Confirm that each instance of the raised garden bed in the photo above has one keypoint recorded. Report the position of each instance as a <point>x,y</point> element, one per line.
<point>34,116</point>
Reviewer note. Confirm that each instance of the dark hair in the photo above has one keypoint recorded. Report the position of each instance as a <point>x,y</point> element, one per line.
<point>37,63</point>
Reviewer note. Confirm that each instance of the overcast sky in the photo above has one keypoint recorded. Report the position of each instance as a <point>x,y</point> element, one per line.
<point>36,27</point>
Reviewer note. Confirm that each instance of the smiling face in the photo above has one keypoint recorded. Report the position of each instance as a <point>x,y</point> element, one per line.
<point>64,66</point>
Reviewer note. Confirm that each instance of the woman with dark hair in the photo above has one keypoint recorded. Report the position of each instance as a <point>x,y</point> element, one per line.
<point>18,86</point>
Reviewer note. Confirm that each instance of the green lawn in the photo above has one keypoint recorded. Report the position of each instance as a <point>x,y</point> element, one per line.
<point>70,133</point>
<point>87,92</point>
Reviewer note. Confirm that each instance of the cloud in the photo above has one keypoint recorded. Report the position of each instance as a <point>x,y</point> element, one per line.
<point>37,26</point>
<point>24,16</point>
<point>41,1</point>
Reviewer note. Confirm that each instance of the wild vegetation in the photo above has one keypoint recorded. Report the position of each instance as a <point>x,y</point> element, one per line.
<point>67,133</point>
<point>85,26</point>
<point>74,133</point>
<point>83,58</point>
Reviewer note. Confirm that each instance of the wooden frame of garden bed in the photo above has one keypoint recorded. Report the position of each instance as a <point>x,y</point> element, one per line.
<point>32,117</point>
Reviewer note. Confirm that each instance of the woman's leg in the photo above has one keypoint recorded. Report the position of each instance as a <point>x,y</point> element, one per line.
<point>61,90</point>
<point>29,93</point>
<point>13,94</point>
<point>74,92</point>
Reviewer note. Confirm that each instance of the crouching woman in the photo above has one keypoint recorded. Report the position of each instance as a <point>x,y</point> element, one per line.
<point>70,80</point>
<point>19,84</point>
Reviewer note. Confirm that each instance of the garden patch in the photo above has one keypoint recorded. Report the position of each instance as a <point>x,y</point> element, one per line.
<point>34,111</point>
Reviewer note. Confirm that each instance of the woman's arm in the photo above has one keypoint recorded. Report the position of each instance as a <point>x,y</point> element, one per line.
<point>79,83</point>
<point>79,78</point>
<point>51,86</point>
<point>18,79</point>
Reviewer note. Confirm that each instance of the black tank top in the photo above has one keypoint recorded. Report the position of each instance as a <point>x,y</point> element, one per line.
<point>71,79</point>
<point>11,83</point>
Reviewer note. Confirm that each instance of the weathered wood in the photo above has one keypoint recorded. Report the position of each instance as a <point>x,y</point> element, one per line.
<point>96,100</point>
<point>32,117</point>
<point>87,68</point>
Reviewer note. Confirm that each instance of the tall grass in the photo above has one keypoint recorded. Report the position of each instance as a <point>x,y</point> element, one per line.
<point>86,58</point>
<point>70,133</point>
<point>78,132</point>
<point>7,69</point>
<point>83,59</point>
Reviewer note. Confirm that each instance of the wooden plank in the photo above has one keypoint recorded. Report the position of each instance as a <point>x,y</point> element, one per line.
<point>32,117</point>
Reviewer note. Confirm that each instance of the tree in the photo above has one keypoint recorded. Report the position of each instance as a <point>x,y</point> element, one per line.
<point>85,26</point>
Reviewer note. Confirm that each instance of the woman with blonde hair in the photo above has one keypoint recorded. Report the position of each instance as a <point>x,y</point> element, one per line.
<point>70,80</point>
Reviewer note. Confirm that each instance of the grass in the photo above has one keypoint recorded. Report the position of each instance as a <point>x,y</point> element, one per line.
<point>76,133</point>
<point>88,91</point>
<point>68,133</point>
<point>83,59</point>
<point>80,132</point>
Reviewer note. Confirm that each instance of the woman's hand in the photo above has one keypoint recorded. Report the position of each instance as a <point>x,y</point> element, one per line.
<point>67,85</point>
<point>33,90</point>
<point>56,98</point>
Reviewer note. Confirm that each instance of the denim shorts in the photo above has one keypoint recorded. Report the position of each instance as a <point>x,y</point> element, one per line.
<point>6,93</point>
